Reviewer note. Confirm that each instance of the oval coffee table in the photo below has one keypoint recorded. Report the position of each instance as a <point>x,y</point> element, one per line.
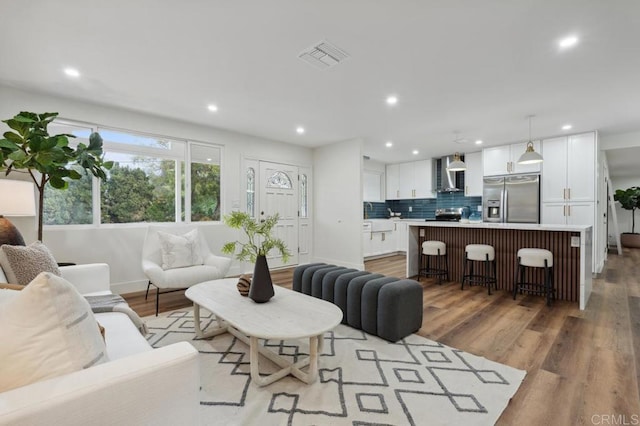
<point>288,315</point>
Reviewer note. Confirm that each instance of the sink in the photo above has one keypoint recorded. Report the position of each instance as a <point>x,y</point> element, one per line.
<point>381,225</point>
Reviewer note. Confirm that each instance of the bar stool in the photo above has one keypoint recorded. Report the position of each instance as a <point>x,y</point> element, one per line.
<point>535,258</point>
<point>480,253</point>
<point>439,250</point>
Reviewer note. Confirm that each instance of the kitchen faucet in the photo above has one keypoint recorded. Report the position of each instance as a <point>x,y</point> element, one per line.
<point>366,215</point>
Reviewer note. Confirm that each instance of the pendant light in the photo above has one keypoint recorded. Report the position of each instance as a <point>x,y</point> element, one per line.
<point>530,156</point>
<point>457,165</point>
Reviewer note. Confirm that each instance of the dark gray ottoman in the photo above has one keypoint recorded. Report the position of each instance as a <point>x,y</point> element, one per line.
<point>379,305</point>
<point>399,309</point>
<point>354,298</point>
<point>369,304</point>
<point>329,282</point>
<point>340,291</point>
<point>318,277</point>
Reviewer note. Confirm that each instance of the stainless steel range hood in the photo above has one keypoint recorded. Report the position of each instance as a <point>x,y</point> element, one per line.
<point>443,179</point>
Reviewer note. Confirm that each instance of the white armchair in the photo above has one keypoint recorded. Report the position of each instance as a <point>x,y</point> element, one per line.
<point>212,268</point>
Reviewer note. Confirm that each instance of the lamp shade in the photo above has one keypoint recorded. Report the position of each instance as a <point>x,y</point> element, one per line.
<point>17,198</point>
<point>530,156</point>
<point>457,165</point>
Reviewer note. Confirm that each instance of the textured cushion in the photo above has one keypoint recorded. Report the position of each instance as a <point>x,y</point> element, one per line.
<point>179,251</point>
<point>431,248</point>
<point>47,330</point>
<point>535,257</point>
<point>480,252</point>
<point>22,264</point>
<point>399,309</point>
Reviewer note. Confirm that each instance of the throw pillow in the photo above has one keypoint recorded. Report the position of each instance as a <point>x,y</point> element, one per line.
<point>22,264</point>
<point>179,251</point>
<point>46,330</point>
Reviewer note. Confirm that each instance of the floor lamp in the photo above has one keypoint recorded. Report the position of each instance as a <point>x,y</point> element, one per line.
<point>16,199</point>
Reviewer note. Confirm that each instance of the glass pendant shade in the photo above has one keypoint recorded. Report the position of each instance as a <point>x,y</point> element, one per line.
<point>457,165</point>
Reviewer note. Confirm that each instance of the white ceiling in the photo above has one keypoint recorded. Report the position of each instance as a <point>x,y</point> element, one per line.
<point>475,67</point>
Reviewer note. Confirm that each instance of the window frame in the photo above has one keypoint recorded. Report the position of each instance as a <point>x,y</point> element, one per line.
<point>181,156</point>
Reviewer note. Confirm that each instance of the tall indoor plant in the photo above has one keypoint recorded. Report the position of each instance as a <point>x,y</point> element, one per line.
<point>629,199</point>
<point>260,242</point>
<point>48,159</point>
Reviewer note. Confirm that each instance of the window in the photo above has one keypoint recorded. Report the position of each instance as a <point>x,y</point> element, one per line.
<point>205,183</point>
<point>146,184</point>
<point>251,192</point>
<point>74,204</point>
<point>304,194</point>
<point>279,180</point>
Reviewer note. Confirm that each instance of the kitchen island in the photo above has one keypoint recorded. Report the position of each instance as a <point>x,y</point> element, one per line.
<point>570,244</point>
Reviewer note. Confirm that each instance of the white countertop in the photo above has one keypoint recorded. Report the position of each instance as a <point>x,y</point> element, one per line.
<point>524,226</point>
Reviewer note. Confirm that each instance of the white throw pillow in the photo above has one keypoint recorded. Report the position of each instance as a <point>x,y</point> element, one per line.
<point>179,251</point>
<point>47,330</point>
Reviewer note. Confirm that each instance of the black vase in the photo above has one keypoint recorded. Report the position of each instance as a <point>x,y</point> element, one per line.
<point>261,289</point>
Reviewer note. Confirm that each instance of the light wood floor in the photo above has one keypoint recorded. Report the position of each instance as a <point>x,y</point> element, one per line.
<point>581,365</point>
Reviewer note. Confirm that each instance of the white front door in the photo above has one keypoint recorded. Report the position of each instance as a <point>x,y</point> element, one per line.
<point>279,194</point>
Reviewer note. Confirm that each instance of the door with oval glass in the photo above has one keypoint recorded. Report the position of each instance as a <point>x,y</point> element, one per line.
<point>279,194</point>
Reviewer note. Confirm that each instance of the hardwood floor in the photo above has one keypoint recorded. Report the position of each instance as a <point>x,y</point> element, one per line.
<point>582,366</point>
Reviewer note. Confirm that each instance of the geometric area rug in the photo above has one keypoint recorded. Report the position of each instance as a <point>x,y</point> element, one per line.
<point>362,380</point>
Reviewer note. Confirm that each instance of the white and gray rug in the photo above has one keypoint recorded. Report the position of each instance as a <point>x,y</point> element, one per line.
<point>363,380</point>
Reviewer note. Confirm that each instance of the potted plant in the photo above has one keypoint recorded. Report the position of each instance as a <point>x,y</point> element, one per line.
<point>629,199</point>
<point>48,159</point>
<point>259,243</point>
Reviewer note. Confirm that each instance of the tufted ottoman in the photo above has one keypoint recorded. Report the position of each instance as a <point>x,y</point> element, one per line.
<point>384,306</point>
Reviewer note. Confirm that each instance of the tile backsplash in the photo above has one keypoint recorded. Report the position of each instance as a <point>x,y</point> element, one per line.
<point>421,208</point>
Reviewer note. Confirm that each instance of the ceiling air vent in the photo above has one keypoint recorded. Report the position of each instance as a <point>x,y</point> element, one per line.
<point>323,55</point>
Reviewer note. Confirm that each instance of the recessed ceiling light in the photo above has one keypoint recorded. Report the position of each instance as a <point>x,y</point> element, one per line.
<point>392,100</point>
<point>478,142</point>
<point>415,152</point>
<point>299,130</point>
<point>209,159</point>
<point>212,107</point>
<point>568,42</point>
<point>567,127</point>
<point>389,144</point>
<point>72,72</point>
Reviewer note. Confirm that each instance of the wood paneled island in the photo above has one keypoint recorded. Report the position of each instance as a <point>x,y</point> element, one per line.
<point>570,244</point>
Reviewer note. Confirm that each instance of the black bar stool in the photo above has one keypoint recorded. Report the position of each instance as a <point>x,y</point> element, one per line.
<point>479,253</point>
<point>535,258</point>
<point>436,249</point>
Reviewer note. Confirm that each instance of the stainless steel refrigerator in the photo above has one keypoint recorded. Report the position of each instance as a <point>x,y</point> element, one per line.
<point>513,199</point>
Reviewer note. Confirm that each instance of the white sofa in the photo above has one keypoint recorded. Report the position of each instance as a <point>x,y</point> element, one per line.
<point>138,386</point>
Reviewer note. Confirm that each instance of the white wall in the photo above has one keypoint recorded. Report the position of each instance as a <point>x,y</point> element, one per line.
<point>120,246</point>
<point>622,140</point>
<point>338,204</point>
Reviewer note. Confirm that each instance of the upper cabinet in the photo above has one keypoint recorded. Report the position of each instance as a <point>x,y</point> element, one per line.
<point>503,160</point>
<point>409,180</point>
<point>473,174</point>
<point>373,186</point>
<point>569,162</point>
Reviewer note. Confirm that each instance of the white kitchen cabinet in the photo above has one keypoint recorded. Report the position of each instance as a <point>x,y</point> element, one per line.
<point>579,213</point>
<point>568,169</point>
<point>401,236</point>
<point>388,242</point>
<point>393,181</point>
<point>473,174</point>
<point>503,160</point>
<point>409,180</point>
<point>372,186</point>
<point>366,240</point>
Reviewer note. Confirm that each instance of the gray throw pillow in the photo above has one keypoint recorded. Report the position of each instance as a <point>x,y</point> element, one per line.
<point>21,264</point>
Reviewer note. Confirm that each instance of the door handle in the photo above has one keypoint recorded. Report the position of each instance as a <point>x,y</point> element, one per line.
<point>569,194</point>
<point>383,236</point>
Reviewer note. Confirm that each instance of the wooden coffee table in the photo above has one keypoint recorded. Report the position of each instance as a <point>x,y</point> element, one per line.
<point>289,315</point>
